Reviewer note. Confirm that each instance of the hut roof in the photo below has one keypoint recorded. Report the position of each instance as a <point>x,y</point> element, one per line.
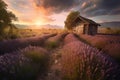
<point>84,20</point>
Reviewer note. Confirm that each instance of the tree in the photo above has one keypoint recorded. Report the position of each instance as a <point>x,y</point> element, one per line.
<point>69,20</point>
<point>6,17</point>
<point>2,5</point>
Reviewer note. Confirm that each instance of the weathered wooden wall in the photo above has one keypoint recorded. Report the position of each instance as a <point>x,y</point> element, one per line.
<point>79,28</point>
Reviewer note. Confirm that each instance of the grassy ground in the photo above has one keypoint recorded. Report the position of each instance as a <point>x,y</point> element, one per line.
<point>38,32</point>
<point>24,33</point>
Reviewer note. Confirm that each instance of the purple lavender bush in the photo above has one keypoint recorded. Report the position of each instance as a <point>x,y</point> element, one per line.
<point>13,45</point>
<point>83,62</point>
<point>24,64</point>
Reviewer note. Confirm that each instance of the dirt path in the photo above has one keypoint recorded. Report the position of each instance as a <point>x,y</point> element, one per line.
<point>54,72</point>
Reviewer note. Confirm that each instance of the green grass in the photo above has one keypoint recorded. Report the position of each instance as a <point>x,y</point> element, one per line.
<point>52,44</point>
<point>35,56</point>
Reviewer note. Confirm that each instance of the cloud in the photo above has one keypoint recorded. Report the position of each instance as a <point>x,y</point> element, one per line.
<point>32,11</point>
<point>56,6</point>
<point>28,12</point>
<point>92,8</point>
<point>40,10</point>
<point>48,19</point>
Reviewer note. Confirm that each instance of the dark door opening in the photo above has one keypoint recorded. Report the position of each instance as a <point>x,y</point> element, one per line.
<point>85,29</point>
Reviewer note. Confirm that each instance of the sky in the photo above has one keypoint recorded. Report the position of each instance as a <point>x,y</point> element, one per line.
<point>54,12</point>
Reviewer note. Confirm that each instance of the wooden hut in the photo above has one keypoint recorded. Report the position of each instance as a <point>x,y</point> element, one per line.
<point>84,25</point>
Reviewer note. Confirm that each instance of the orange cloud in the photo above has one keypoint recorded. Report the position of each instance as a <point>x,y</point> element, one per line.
<point>28,12</point>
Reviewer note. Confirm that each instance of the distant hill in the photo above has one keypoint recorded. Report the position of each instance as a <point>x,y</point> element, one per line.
<point>48,26</point>
<point>111,24</point>
<point>21,26</point>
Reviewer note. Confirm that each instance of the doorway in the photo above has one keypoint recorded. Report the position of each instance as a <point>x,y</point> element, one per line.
<point>85,29</point>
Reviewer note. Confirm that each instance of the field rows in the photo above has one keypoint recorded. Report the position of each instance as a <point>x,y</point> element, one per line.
<point>110,44</point>
<point>26,59</point>
<point>83,62</point>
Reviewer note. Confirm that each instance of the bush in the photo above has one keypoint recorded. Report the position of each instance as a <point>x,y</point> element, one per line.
<point>25,64</point>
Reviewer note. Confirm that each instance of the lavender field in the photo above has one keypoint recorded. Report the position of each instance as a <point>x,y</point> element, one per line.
<point>62,56</point>
<point>59,39</point>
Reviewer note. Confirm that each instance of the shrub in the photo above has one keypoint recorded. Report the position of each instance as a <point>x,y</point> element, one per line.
<point>82,62</point>
<point>25,64</point>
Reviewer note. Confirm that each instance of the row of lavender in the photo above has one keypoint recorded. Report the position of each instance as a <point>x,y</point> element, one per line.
<point>83,62</point>
<point>14,45</point>
<point>108,43</point>
<point>55,41</point>
<point>23,64</point>
<point>27,63</point>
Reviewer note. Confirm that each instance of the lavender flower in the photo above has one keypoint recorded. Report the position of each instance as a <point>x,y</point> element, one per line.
<point>23,64</point>
<point>14,45</point>
<point>83,62</point>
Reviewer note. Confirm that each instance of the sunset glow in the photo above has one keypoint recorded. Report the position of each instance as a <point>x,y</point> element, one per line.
<point>38,23</point>
<point>54,12</point>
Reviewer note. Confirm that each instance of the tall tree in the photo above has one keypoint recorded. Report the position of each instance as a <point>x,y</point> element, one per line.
<point>6,17</point>
<point>69,20</point>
